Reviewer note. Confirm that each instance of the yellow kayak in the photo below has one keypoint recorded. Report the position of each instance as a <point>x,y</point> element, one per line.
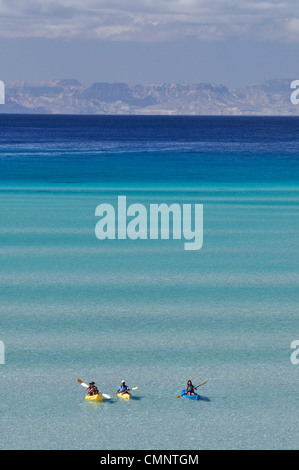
<point>125,396</point>
<point>94,398</point>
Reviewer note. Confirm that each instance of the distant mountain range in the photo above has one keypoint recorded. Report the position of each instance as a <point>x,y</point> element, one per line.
<point>71,97</point>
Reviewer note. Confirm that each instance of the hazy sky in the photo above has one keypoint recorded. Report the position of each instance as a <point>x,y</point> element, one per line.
<point>234,42</point>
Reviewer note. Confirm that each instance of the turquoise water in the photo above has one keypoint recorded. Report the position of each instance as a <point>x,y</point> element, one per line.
<point>149,312</point>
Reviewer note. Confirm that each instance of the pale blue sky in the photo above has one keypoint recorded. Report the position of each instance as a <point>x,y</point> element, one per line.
<point>235,42</point>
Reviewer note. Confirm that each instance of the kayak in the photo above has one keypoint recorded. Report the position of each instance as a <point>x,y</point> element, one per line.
<point>125,396</point>
<point>192,397</point>
<point>94,398</point>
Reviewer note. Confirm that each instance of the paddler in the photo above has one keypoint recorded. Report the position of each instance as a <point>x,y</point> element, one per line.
<point>190,388</point>
<point>92,389</point>
<point>123,388</point>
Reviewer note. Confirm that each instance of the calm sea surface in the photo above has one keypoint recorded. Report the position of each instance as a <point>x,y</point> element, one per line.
<point>72,306</point>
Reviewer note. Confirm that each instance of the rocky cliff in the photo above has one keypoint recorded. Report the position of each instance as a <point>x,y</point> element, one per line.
<point>71,97</point>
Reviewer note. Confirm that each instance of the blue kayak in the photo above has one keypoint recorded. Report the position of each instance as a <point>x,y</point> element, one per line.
<point>192,397</point>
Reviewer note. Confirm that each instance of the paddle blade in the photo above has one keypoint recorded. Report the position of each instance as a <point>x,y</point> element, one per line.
<point>82,383</point>
<point>179,396</point>
<point>203,383</point>
<point>134,388</point>
<point>106,396</point>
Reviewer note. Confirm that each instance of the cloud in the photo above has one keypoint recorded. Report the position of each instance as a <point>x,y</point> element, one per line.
<point>150,20</point>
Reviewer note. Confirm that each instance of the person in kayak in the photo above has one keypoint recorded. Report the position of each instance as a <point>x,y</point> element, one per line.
<point>92,389</point>
<point>190,388</point>
<point>123,388</point>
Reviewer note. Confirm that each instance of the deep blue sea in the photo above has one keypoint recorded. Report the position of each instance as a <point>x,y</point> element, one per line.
<point>147,311</point>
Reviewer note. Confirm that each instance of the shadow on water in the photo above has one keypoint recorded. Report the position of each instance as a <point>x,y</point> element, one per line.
<point>97,405</point>
<point>200,398</point>
<point>206,399</point>
<point>128,401</point>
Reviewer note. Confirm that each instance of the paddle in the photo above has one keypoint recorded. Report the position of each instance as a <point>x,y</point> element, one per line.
<point>180,396</point>
<point>86,386</point>
<point>201,384</point>
<point>82,383</point>
<point>133,388</point>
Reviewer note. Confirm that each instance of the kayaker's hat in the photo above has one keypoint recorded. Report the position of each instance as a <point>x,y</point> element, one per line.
<point>123,382</point>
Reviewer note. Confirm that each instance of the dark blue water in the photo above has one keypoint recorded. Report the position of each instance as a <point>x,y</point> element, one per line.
<point>131,149</point>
